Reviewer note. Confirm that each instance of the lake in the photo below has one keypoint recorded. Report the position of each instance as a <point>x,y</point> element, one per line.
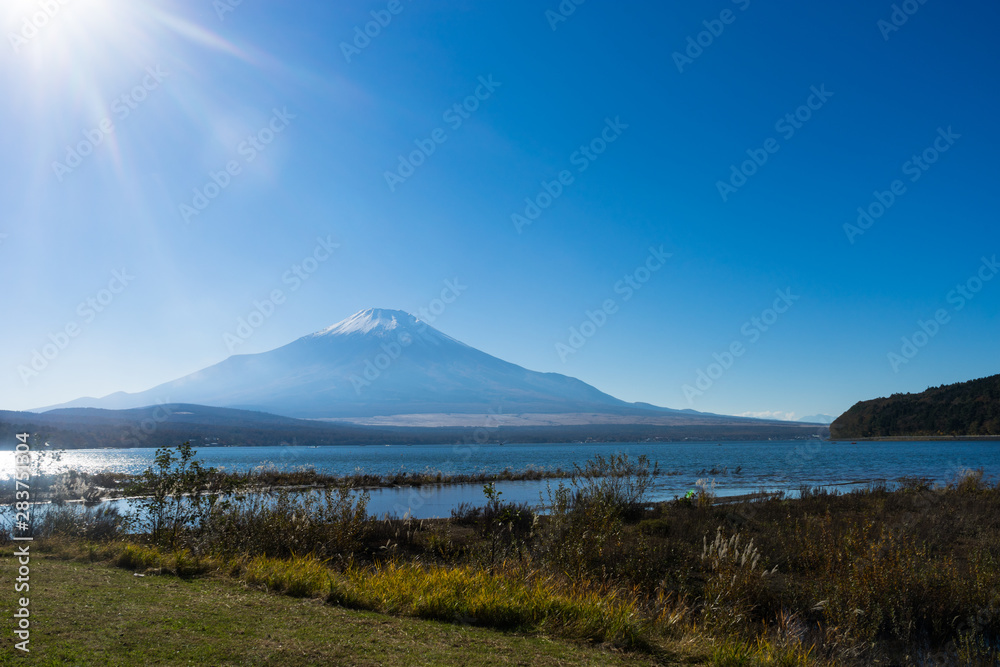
<point>735,467</point>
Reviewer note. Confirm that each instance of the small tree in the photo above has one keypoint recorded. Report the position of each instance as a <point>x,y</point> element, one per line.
<point>177,493</point>
<point>509,526</point>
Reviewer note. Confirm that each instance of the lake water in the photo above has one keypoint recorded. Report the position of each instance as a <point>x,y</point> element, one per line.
<point>735,467</point>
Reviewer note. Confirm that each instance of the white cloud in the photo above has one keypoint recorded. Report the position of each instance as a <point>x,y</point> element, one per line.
<point>770,414</point>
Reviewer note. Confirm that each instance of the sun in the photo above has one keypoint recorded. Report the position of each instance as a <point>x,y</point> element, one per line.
<point>73,65</point>
<point>43,30</point>
<point>77,50</point>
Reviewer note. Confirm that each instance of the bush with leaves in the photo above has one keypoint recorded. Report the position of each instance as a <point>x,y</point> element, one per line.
<point>507,527</point>
<point>585,527</point>
<point>617,483</point>
<point>177,494</point>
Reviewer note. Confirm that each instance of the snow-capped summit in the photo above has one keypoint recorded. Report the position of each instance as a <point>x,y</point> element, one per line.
<point>375,362</point>
<point>373,319</point>
<point>390,325</point>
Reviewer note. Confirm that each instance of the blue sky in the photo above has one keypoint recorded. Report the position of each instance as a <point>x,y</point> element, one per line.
<point>120,115</point>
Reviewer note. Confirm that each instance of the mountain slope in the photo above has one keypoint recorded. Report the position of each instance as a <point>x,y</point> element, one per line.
<point>376,362</point>
<point>966,408</point>
<point>167,425</point>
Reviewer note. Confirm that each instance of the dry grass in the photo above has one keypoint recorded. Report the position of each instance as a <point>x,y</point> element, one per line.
<point>904,576</point>
<point>90,614</point>
<point>503,600</point>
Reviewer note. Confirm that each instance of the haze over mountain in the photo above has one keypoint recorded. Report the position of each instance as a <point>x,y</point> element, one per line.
<point>816,419</point>
<point>381,363</point>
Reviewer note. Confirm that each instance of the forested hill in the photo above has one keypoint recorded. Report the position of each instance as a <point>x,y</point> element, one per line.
<point>966,408</point>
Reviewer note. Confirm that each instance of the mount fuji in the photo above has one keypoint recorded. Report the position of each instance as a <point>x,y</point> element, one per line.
<point>380,363</point>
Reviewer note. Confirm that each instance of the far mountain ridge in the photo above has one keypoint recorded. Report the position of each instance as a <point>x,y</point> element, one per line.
<point>204,426</point>
<point>377,362</point>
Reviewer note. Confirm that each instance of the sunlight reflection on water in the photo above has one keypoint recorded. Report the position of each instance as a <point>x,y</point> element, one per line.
<point>736,467</point>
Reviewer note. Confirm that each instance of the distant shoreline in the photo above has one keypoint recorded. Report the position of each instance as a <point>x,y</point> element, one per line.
<point>919,438</point>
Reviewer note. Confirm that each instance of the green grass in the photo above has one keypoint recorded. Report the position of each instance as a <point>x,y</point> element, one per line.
<point>92,614</point>
<point>873,576</point>
<point>758,654</point>
<point>502,600</point>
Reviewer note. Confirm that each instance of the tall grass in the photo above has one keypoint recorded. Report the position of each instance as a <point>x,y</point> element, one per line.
<point>514,600</point>
<point>735,581</point>
<point>298,576</point>
<point>90,523</point>
<point>327,523</point>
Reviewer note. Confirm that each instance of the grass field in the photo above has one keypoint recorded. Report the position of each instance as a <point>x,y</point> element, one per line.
<point>91,613</point>
<point>900,575</point>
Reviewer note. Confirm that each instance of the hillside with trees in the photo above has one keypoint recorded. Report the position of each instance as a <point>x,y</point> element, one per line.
<point>963,409</point>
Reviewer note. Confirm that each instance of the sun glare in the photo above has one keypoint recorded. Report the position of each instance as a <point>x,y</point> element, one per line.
<point>72,61</point>
<point>77,48</point>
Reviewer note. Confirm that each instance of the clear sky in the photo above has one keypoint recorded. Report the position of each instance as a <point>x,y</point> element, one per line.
<point>166,165</point>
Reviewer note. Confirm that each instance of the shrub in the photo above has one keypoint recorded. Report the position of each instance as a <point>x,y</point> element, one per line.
<point>92,523</point>
<point>507,527</point>
<point>969,481</point>
<point>616,482</point>
<point>138,557</point>
<point>178,494</point>
<point>466,514</point>
<point>586,523</point>
<point>326,523</point>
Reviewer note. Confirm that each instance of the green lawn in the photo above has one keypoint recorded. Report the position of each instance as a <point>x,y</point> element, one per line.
<point>95,614</point>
